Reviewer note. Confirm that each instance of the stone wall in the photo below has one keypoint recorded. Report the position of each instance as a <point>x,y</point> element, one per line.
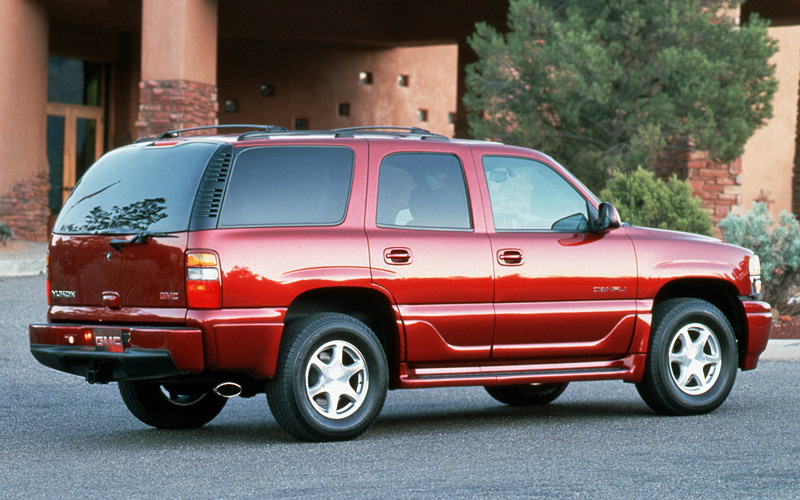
<point>719,186</point>
<point>24,208</point>
<point>175,104</point>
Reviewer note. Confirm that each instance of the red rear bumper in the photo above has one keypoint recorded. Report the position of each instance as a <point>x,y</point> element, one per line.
<point>111,354</point>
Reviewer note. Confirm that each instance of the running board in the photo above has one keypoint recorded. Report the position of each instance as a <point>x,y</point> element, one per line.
<point>629,369</point>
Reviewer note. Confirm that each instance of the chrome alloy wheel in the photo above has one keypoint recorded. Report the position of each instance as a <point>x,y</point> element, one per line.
<point>694,359</point>
<point>336,380</point>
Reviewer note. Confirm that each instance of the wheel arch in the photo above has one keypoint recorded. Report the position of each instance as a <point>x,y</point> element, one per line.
<point>369,306</point>
<point>720,293</point>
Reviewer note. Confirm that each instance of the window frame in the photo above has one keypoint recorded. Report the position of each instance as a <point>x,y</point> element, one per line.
<point>465,184</point>
<point>234,163</point>
<point>564,174</point>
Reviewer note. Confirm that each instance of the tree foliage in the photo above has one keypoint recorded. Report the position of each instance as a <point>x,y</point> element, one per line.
<point>603,85</point>
<point>644,200</point>
<point>778,247</point>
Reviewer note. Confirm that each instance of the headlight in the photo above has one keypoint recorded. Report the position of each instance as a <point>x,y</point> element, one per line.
<point>755,266</point>
<point>755,275</point>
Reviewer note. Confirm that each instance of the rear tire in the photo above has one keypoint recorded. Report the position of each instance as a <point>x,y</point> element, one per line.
<point>171,406</point>
<point>692,359</point>
<point>331,379</point>
<point>526,394</point>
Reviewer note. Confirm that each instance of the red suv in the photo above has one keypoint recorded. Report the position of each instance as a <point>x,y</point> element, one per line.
<point>323,268</point>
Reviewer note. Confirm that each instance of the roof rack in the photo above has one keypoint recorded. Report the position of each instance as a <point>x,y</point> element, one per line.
<point>262,130</point>
<point>259,128</point>
<point>408,131</point>
<point>171,134</point>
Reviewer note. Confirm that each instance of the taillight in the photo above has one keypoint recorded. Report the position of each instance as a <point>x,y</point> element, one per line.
<point>203,287</point>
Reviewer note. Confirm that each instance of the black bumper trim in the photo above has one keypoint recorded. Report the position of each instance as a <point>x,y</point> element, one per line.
<point>104,367</point>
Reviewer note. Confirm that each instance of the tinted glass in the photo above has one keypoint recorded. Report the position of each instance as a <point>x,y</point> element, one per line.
<point>528,195</point>
<point>288,186</point>
<point>425,191</point>
<point>137,188</point>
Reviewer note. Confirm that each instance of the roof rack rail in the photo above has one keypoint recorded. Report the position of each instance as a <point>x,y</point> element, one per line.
<point>261,130</point>
<point>169,134</point>
<point>351,131</point>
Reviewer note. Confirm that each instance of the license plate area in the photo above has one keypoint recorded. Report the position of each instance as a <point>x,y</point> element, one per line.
<point>110,339</point>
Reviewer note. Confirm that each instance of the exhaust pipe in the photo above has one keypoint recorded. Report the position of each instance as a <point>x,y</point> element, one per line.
<point>227,389</point>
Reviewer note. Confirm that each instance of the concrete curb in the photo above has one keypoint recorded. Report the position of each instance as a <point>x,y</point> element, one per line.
<point>782,349</point>
<point>22,267</point>
<point>27,260</point>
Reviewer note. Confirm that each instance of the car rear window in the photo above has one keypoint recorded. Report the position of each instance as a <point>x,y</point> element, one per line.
<point>137,188</point>
<point>288,186</point>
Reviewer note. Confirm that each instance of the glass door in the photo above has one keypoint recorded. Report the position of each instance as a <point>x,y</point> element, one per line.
<point>77,142</point>
<point>75,123</point>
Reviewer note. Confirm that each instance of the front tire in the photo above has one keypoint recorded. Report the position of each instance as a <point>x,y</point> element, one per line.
<point>692,359</point>
<point>526,394</point>
<point>171,406</point>
<point>331,379</point>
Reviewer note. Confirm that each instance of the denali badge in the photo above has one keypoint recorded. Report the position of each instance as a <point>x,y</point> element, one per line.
<point>604,289</point>
<point>63,294</point>
<point>169,296</point>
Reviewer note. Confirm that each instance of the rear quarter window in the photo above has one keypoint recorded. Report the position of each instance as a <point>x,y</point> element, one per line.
<point>288,186</point>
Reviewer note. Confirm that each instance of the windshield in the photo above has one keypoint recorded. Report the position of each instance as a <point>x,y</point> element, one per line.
<point>137,188</point>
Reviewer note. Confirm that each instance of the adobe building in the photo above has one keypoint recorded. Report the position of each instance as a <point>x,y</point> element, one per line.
<point>80,77</point>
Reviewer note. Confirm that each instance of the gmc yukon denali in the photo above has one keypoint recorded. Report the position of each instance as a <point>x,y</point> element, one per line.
<point>324,268</point>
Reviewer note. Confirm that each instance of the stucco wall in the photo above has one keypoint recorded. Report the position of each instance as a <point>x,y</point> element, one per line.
<point>311,80</point>
<point>179,40</point>
<point>23,81</point>
<point>769,155</point>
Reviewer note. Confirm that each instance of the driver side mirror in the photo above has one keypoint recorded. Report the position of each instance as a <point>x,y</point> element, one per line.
<point>607,218</point>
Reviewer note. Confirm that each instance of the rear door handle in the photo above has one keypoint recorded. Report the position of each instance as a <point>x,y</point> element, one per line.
<point>510,257</point>
<point>397,256</point>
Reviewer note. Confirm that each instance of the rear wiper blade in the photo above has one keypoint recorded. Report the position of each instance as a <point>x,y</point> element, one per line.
<point>138,239</point>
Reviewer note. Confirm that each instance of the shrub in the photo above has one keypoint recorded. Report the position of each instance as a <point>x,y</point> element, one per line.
<point>778,246</point>
<point>644,200</point>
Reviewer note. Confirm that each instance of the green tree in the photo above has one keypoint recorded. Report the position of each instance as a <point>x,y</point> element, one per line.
<point>644,200</point>
<point>604,85</point>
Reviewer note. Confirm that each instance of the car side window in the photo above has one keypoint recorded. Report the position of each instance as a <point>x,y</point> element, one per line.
<point>527,195</point>
<point>288,186</point>
<point>423,191</point>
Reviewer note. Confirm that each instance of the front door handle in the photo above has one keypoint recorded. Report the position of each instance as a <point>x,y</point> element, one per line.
<point>510,257</point>
<point>397,256</point>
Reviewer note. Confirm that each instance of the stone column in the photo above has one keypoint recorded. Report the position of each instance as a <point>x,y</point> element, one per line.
<point>179,66</point>
<point>23,118</point>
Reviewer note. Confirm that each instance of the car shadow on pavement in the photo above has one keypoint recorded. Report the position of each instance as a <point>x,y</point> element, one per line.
<point>566,413</point>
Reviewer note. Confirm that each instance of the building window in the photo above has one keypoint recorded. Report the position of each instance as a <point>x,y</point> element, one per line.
<point>231,105</point>
<point>267,90</point>
<point>301,123</point>
<point>422,115</point>
<point>344,109</point>
<point>365,77</point>
<point>402,80</point>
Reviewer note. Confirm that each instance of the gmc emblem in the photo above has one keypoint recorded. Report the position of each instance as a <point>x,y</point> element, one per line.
<point>169,296</point>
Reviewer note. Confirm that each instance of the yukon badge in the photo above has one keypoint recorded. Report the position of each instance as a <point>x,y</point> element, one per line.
<point>63,294</point>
